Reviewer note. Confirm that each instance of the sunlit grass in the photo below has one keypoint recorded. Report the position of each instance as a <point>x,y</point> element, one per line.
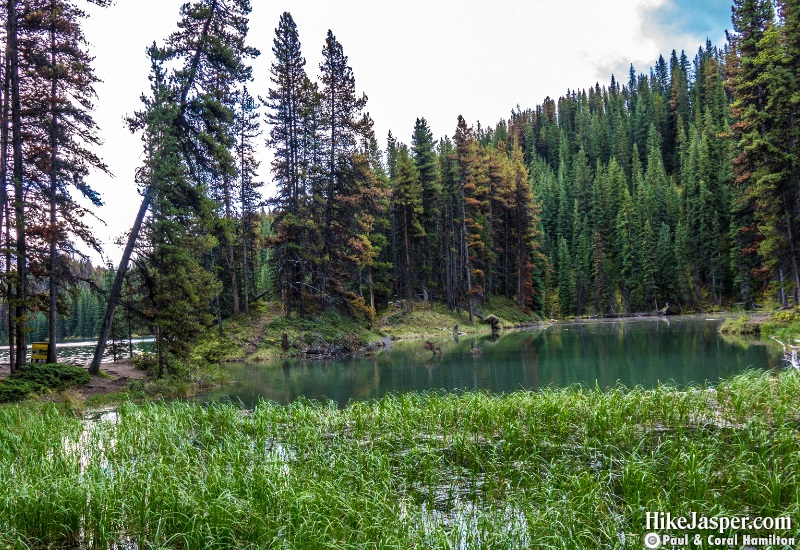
<point>569,468</point>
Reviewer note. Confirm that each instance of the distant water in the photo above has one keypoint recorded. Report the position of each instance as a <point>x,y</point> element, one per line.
<point>80,353</point>
<point>634,352</point>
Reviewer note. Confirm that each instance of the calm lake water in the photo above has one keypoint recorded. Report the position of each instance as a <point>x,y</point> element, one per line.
<point>80,353</point>
<point>644,352</point>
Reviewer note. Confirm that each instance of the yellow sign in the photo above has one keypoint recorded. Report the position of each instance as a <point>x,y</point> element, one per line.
<point>39,352</point>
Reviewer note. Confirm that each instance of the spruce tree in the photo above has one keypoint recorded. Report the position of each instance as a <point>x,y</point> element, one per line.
<point>425,161</point>
<point>407,203</point>
<point>743,74</point>
<point>286,138</point>
<point>187,128</point>
<point>342,125</point>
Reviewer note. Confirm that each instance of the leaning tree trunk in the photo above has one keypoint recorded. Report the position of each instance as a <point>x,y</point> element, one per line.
<point>113,296</point>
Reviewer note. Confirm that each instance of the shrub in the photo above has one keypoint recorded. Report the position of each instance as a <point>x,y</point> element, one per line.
<point>41,377</point>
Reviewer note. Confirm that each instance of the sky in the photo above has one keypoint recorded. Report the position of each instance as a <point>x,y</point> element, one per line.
<point>423,58</point>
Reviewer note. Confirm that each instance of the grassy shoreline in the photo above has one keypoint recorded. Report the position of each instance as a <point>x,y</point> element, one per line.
<point>258,336</point>
<point>782,324</point>
<point>571,468</point>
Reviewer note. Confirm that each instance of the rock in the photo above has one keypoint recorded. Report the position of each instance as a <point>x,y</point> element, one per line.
<point>492,320</point>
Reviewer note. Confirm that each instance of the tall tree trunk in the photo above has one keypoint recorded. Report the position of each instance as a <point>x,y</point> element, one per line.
<point>19,195</point>
<point>371,290</point>
<point>52,314</point>
<point>231,259</point>
<point>4,124</point>
<point>521,298</point>
<point>792,251</point>
<point>234,280</point>
<point>465,249</point>
<point>245,278</point>
<point>9,290</point>
<point>245,222</point>
<point>407,267</point>
<point>219,316</point>
<point>113,296</point>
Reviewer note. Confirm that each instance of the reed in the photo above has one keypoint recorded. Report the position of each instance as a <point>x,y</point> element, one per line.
<point>569,468</point>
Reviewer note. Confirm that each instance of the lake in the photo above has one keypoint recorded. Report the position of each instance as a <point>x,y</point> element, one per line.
<point>639,351</point>
<point>81,353</point>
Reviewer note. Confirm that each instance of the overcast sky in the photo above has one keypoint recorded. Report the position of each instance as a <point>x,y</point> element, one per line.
<point>420,58</point>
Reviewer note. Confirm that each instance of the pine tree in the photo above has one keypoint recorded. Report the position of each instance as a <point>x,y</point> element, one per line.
<point>342,124</point>
<point>426,163</point>
<point>648,290</point>
<point>451,248</point>
<point>286,102</point>
<point>247,129</point>
<point>188,135</point>
<point>743,74</point>
<point>525,234</point>
<point>407,203</point>
<point>565,279</point>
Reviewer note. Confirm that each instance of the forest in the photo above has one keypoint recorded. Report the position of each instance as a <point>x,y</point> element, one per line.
<point>676,189</point>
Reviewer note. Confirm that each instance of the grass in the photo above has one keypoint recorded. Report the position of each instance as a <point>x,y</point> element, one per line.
<point>571,468</point>
<point>439,320</point>
<point>740,326</point>
<point>257,336</point>
<point>782,324</point>
<point>37,378</point>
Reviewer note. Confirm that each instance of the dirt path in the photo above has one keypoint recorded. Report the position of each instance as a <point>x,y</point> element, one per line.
<point>120,373</point>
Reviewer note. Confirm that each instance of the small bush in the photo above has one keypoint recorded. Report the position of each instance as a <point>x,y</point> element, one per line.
<point>41,377</point>
<point>146,362</point>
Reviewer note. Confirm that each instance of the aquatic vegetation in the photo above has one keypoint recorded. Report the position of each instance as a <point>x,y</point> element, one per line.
<point>569,468</point>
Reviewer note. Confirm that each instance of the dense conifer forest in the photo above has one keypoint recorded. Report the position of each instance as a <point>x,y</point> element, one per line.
<point>673,188</point>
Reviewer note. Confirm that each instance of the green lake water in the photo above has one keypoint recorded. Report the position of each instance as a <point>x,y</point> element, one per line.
<point>644,352</point>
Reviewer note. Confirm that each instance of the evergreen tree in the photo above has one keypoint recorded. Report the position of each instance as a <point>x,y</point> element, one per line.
<point>188,136</point>
<point>426,164</point>
<point>247,129</point>
<point>342,124</point>
<point>750,21</point>
<point>287,102</point>
<point>408,212</point>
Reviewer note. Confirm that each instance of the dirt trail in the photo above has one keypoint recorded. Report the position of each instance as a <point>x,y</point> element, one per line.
<point>120,373</point>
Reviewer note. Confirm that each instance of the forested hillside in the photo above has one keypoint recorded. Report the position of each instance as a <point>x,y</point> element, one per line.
<point>673,187</point>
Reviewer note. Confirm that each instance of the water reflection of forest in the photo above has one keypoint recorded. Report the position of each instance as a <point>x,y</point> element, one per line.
<point>641,352</point>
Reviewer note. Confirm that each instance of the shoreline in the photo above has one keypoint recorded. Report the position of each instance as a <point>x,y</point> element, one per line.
<point>114,377</point>
<point>117,377</point>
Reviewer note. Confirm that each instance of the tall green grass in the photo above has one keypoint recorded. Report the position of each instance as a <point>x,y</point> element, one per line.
<point>571,468</point>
